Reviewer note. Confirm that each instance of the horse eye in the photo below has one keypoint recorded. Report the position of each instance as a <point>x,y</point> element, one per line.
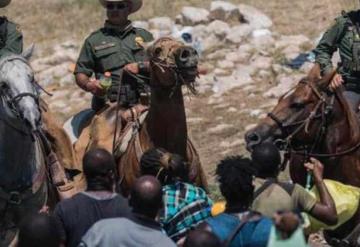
<point>157,51</point>
<point>297,105</point>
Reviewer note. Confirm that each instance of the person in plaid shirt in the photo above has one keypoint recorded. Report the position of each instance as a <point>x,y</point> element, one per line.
<point>185,205</point>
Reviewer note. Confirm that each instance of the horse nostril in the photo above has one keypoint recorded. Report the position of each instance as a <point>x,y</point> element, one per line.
<point>253,137</point>
<point>184,55</point>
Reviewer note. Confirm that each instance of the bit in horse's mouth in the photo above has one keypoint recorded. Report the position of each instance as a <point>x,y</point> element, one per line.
<point>189,74</point>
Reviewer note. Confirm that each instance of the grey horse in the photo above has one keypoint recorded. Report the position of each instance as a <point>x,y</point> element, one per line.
<point>23,175</point>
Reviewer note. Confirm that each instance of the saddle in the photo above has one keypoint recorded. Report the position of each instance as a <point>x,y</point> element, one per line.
<point>89,128</point>
<point>133,119</point>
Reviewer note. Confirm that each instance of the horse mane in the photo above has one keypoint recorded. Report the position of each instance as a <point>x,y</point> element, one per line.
<point>351,117</point>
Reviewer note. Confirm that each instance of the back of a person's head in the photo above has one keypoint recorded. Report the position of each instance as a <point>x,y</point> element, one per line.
<point>235,175</point>
<point>178,168</point>
<point>165,166</point>
<point>146,196</point>
<point>200,238</point>
<point>98,162</point>
<point>266,159</point>
<point>150,162</point>
<point>38,230</point>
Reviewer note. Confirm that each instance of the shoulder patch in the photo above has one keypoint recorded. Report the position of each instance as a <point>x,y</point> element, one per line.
<point>18,28</point>
<point>146,35</point>
<point>139,41</point>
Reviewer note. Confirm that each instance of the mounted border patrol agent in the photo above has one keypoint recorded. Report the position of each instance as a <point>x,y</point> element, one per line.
<point>343,35</point>
<point>11,39</point>
<point>116,46</point>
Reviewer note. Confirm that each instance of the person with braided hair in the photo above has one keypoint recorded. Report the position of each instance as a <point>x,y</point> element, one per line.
<point>185,205</point>
<point>238,226</point>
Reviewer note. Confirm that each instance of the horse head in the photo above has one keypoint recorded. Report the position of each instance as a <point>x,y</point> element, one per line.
<point>298,116</point>
<point>18,87</point>
<point>173,64</point>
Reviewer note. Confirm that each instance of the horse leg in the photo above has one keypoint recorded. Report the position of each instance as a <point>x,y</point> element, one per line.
<point>196,171</point>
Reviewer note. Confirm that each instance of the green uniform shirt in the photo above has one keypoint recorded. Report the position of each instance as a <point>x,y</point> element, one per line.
<point>11,37</point>
<point>109,49</point>
<point>340,36</point>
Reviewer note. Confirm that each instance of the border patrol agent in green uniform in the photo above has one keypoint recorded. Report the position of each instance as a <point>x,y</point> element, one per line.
<point>344,35</point>
<point>118,45</point>
<point>11,39</point>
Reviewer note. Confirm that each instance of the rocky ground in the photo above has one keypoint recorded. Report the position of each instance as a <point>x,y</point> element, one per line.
<point>246,64</point>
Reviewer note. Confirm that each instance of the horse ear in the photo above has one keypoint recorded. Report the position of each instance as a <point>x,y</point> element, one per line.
<point>28,52</point>
<point>326,79</point>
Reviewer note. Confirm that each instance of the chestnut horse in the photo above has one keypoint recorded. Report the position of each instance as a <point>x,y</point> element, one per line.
<point>311,121</point>
<point>172,66</point>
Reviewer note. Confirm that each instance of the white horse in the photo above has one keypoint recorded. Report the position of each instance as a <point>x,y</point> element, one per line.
<point>23,181</point>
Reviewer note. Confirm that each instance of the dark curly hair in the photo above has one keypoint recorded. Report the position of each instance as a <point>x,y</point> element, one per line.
<point>235,175</point>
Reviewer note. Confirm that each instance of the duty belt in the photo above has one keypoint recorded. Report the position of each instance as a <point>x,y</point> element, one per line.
<point>351,66</point>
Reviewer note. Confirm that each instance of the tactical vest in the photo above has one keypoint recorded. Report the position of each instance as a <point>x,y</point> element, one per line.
<point>353,65</point>
<point>3,31</point>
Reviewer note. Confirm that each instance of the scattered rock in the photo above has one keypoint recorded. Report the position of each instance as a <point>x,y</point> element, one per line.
<point>238,33</point>
<point>211,43</point>
<point>260,62</point>
<point>286,82</point>
<point>192,16</point>
<point>219,128</point>
<point>219,28</point>
<point>161,23</point>
<point>255,113</point>
<point>141,24</point>
<point>232,109</point>
<point>225,11</point>
<point>225,64</point>
<point>194,120</point>
<point>255,18</point>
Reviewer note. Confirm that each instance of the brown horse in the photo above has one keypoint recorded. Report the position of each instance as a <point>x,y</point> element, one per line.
<point>311,121</point>
<point>172,66</point>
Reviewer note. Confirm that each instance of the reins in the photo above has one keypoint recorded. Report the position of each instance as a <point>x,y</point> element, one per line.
<point>322,110</point>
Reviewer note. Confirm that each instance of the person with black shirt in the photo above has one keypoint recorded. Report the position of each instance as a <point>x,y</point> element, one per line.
<point>140,229</point>
<point>38,230</point>
<point>77,214</point>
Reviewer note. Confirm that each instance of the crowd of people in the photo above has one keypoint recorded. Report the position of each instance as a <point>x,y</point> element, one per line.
<point>165,209</point>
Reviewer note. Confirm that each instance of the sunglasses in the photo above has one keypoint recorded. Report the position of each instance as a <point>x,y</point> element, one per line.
<point>117,6</point>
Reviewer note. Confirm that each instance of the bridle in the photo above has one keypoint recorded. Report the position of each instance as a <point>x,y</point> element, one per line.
<point>13,101</point>
<point>322,110</point>
<point>163,64</point>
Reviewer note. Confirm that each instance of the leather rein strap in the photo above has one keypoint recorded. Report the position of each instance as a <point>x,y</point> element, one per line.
<point>319,111</point>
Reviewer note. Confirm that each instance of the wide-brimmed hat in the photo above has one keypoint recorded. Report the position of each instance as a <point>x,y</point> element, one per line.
<point>4,3</point>
<point>135,4</point>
